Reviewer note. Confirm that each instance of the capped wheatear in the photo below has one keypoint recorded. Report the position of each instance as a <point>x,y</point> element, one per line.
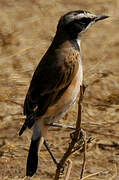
<point>56,81</point>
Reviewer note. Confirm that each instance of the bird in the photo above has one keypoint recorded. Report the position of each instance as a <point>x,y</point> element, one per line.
<point>57,80</point>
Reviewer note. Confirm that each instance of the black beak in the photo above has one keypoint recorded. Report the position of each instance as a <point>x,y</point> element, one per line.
<point>100,17</point>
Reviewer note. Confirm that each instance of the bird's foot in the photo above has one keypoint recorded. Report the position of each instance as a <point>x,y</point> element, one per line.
<point>80,139</point>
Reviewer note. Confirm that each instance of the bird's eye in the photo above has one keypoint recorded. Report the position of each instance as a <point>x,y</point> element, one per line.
<point>85,21</point>
<point>75,14</point>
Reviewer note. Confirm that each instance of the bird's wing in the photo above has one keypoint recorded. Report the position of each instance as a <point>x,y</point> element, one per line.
<point>48,84</point>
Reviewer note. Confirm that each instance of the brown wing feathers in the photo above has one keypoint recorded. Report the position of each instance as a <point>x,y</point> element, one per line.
<point>47,86</point>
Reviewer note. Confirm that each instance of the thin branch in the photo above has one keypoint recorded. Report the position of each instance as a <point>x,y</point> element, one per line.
<point>68,169</point>
<point>76,137</point>
<point>91,175</point>
<point>84,160</point>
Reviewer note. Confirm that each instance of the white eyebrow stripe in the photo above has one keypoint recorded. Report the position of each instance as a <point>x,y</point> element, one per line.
<point>83,15</point>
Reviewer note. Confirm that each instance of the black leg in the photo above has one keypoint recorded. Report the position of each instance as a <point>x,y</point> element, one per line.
<point>51,154</point>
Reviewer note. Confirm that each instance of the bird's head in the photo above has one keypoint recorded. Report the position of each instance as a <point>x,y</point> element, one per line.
<point>76,23</point>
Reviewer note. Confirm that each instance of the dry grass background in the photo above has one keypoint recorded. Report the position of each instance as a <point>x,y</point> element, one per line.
<point>26,30</point>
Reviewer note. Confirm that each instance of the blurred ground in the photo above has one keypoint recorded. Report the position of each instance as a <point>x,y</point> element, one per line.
<point>26,30</point>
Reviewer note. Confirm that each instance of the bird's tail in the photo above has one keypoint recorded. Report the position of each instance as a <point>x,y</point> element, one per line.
<point>39,133</point>
<point>32,160</point>
<point>29,122</point>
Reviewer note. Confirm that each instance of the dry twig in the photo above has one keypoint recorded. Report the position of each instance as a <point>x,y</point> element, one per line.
<point>91,175</point>
<point>68,169</point>
<point>84,160</point>
<point>76,137</point>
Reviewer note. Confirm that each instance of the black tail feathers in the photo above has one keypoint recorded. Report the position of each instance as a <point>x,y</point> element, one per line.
<point>28,123</point>
<point>32,160</point>
<point>22,129</point>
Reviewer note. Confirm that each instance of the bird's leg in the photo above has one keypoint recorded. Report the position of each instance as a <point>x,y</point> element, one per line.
<point>51,154</point>
<point>81,138</point>
<point>61,126</point>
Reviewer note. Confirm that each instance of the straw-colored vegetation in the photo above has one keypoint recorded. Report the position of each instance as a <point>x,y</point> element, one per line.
<point>26,30</point>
